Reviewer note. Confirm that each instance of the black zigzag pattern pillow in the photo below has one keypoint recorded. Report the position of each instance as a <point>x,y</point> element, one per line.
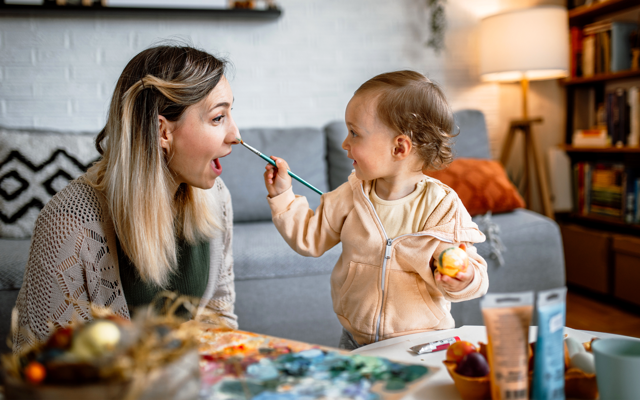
<point>34,166</point>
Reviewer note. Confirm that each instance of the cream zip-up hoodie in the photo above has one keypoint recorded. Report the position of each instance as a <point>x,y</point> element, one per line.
<point>382,287</point>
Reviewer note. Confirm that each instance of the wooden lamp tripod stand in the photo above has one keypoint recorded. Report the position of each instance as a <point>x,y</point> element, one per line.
<point>530,154</point>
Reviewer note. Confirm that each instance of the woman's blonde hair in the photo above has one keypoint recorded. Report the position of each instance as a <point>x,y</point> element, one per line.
<point>133,172</point>
<point>410,104</point>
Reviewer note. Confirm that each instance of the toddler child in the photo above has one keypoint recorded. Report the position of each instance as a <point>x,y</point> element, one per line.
<point>392,220</point>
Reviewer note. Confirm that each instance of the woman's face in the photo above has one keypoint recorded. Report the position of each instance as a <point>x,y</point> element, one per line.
<point>203,134</point>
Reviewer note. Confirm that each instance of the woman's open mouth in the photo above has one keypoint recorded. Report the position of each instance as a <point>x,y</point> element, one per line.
<point>215,164</point>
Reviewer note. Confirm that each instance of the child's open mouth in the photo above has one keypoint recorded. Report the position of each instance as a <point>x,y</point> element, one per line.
<point>215,164</point>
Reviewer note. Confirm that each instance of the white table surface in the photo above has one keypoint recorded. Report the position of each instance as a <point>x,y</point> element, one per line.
<point>440,385</point>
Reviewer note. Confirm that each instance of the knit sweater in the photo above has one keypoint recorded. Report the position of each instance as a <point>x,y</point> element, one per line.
<point>73,255</point>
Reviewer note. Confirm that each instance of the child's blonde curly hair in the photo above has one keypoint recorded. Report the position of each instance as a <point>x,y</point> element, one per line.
<point>412,105</point>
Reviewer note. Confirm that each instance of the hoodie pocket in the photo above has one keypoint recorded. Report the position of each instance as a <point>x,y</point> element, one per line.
<point>360,296</point>
<point>408,304</point>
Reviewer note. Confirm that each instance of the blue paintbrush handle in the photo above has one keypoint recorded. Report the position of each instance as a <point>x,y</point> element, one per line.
<point>294,176</point>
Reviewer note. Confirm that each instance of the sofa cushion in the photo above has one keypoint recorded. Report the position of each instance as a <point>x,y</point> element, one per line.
<point>482,185</point>
<point>260,252</point>
<point>473,140</point>
<point>35,165</point>
<point>15,253</point>
<point>340,166</point>
<point>302,148</point>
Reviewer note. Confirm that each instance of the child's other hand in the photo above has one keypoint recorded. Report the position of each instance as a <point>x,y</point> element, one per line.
<point>276,179</point>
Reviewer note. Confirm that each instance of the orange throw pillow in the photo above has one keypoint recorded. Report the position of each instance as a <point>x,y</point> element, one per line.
<point>482,185</point>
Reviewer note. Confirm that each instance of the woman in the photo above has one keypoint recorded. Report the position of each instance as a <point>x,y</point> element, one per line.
<point>150,215</point>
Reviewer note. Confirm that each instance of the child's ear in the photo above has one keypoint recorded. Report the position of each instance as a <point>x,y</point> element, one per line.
<point>402,147</point>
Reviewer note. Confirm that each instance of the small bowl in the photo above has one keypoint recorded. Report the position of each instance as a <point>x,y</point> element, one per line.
<point>577,383</point>
<point>580,385</point>
<point>469,388</point>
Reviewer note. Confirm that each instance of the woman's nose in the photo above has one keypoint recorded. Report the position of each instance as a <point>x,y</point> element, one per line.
<point>233,135</point>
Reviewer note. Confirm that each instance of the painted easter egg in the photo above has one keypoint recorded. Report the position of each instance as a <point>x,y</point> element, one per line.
<point>584,361</point>
<point>574,347</point>
<point>452,260</point>
<point>95,340</point>
<point>34,372</point>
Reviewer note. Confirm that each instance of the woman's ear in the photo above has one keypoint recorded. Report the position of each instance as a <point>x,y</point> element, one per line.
<point>165,135</point>
<point>402,147</point>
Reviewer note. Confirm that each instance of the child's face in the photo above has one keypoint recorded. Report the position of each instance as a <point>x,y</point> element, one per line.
<point>203,135</point>
<point>369,142</point>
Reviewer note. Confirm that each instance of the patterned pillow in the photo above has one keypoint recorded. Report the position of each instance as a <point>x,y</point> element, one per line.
<point>35,165</point>
<point>482,185</point>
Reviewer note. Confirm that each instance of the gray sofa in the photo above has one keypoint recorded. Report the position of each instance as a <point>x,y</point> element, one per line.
<point>284,294</point>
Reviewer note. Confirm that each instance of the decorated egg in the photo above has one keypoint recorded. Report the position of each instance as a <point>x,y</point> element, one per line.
<point>35,372</point>
<point>584,361</point>
<point>574,347</point>
<point>96,339</point>
<point>452,260</point>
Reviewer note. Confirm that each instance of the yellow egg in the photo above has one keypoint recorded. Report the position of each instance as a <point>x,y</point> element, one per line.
<point>452,260</point>
<point>95,340</point>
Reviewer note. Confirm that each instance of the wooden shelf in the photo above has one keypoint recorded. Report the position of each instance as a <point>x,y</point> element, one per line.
<point>603,221</point>
<point>602,77</point>
<point>97,9</point>
<point>572,149</point>
<point>586,14</point>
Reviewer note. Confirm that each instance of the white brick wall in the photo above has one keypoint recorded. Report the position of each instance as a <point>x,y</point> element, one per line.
<point>298,70</point>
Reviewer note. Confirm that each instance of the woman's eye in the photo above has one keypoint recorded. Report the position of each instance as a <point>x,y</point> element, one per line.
<point>218,119</point>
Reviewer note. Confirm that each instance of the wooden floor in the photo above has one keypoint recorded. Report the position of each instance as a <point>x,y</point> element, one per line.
<point>587,314</point>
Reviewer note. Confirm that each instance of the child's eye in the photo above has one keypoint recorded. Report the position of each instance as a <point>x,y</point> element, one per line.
<point>353,134</point>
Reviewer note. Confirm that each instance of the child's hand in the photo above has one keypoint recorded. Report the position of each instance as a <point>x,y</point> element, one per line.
<point>276,179</point>
<point>461,280</point>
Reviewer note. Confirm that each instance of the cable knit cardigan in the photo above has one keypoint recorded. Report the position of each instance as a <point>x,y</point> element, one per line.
<point>73,255</point>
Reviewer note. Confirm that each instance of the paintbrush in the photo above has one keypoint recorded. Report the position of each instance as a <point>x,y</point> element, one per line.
<point>270,161</point>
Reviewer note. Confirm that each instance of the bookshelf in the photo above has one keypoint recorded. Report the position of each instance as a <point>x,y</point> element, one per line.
<point>602,178</point>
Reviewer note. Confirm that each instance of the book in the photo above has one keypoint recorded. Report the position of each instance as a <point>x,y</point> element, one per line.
<point>630,195</point>
<point>591,138</point>
<point>605,40</point>
<point>621,118</point>
<point>634,117</point>
<point>584,105</point>
<point>588,55</point>
<point>576,52</point>
<point>636,220</point>
<point>611,110</point>
<point>607,190</point>
<point>621,45</point>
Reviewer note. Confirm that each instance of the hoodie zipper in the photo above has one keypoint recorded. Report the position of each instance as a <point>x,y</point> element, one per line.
<point>387,255</point>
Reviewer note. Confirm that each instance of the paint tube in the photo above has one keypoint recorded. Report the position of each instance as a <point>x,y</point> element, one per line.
<point>438,345</point>
<point>548,366</point>
<point>507,317</point>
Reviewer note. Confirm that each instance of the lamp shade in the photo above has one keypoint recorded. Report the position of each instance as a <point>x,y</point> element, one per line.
<point>530,43</point>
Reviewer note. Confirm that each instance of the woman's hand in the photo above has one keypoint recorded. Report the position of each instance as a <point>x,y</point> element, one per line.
<point>276,179</point>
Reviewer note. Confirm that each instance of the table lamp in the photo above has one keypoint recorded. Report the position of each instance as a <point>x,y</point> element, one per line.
<point>525,45</point>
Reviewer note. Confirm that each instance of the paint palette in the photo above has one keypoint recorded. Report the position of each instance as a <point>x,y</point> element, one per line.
<point>244,365</point>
